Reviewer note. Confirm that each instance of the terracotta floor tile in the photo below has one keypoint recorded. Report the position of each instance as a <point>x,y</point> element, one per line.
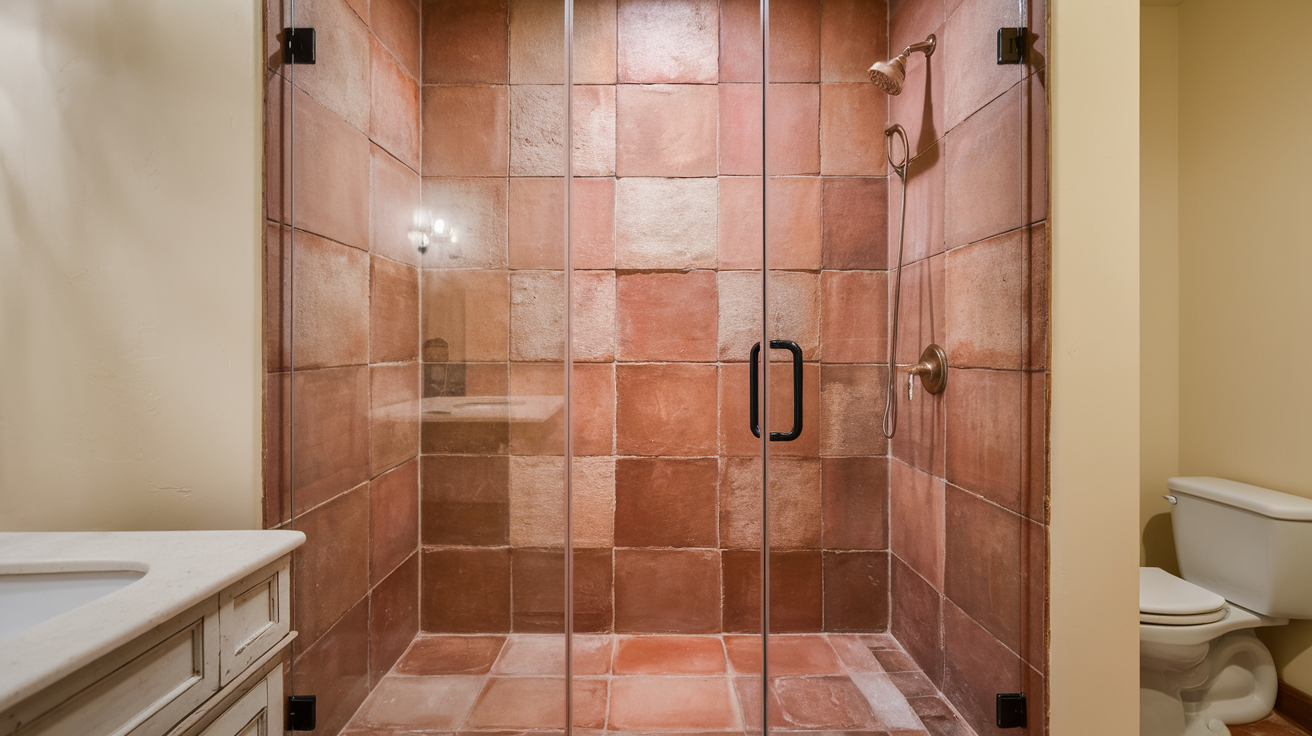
<point>592,655</point>
<point>822,702</point>
<point>585,732</point>
<point>390,731</point>
<point>450,655</point>
<point>817,706</point>
<point>660,686</point>
<point>789,655</point>
<point>544,654</point>
<point>856,656</point>
<point>649,704</point>
<point>953,726</point>
<point>420,702</point>
<point>537,703</point>
<point>889,705</point>
<point>748,692</point>
<point>669,655</point>
<point>940,720</point>
<point>845,732</point>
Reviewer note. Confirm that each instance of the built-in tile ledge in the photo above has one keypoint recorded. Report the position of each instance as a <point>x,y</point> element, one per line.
<point>526,409</point>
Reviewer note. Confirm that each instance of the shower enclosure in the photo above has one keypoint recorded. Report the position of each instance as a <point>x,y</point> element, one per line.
<point>522,256</point>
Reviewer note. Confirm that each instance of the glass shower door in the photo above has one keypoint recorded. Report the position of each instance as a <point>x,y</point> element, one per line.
<point>576,373</point>
<point>826,466</point>
<point>419,381</point>
<point>967,476</point>
<point>681,242</point>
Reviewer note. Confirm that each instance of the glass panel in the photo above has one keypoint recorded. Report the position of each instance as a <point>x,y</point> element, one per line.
<point>351,280</point>
<point>667,271</point>
<point>930,537</point>
<point>967,477</point>
<point>807,684</point>
<point>424,384</point>
<point>494,336</point>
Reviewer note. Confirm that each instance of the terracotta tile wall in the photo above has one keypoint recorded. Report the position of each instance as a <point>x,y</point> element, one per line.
<point>667,232</point>
<point>968,475</point>
<point>355,323</point>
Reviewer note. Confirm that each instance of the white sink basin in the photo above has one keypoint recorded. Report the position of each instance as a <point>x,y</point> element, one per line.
<point>28,599</point>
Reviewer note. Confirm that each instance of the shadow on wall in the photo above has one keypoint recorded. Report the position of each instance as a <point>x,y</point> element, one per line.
<point>1287,643</point>
<point>1159,544</point>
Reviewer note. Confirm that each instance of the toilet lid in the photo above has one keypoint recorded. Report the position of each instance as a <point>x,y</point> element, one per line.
<point>1201,618</point>
<point>1167,599</point>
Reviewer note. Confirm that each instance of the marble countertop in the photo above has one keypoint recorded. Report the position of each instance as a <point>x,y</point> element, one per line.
<point>181,570</point>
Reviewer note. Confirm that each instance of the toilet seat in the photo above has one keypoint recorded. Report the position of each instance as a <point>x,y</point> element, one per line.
<point>1166,600</point>
<point>1192,620</point>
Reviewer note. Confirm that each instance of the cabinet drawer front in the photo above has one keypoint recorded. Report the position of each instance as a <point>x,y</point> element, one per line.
<point>144,696</point>
<point>253,617</point>
<point>257,713</point>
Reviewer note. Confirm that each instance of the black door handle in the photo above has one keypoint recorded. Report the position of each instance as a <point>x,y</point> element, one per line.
<point>796,431</point>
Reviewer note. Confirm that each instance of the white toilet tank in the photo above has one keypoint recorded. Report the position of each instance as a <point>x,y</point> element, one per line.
<point>1251,545</point>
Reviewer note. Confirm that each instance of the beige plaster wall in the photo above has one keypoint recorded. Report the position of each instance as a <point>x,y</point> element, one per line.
<point>129,269</point>
<point>1246,258</point>
<point>1225,257</point>
<point>1095,367</point>
<point>1159,279</point>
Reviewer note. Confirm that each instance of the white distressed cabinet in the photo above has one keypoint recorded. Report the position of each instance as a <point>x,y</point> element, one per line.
<point>215,670</point>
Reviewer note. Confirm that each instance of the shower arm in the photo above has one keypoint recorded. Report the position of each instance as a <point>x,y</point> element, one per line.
<point>926,47</point>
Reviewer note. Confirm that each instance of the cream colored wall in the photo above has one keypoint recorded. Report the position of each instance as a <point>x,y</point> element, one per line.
<point>129,264</point>
<point>1095,367</point>
<point>1159,279</point>
<point>1246,257</point>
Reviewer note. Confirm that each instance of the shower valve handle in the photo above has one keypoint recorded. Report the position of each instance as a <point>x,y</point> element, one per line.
<point>932,369</point>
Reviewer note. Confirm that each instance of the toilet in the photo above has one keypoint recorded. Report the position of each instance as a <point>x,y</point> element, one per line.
<point>1245,554</point>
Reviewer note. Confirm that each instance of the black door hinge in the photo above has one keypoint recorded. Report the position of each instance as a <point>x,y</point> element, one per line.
<point>1011,45</point>
<point>298,45</point>
<point>300,713</point>
<point>1011,710</point>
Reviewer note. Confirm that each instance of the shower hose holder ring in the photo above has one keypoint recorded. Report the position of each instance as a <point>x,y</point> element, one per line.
<point>932,369</point>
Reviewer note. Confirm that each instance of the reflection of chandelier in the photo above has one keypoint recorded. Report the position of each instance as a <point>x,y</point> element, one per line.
<point>427,231</point>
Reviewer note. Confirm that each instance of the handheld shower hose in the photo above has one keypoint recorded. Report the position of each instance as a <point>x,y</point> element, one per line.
<point>890,400</point>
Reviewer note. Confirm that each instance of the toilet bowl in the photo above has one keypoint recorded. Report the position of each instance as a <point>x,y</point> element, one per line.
<point>1245,555</point>
<point>1200,664</point>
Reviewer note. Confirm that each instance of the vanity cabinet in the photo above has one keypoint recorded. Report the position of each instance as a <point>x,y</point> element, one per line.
<point>215,670</point>
<point>257,713</point>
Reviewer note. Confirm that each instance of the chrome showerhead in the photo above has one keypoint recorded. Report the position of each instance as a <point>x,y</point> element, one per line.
<point>889,75</point>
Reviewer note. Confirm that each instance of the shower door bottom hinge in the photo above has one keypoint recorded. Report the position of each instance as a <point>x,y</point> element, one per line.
<point>298,45</point>
<point>1011,45</point>
<point>300,713</point>
<point>1011,710</point>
